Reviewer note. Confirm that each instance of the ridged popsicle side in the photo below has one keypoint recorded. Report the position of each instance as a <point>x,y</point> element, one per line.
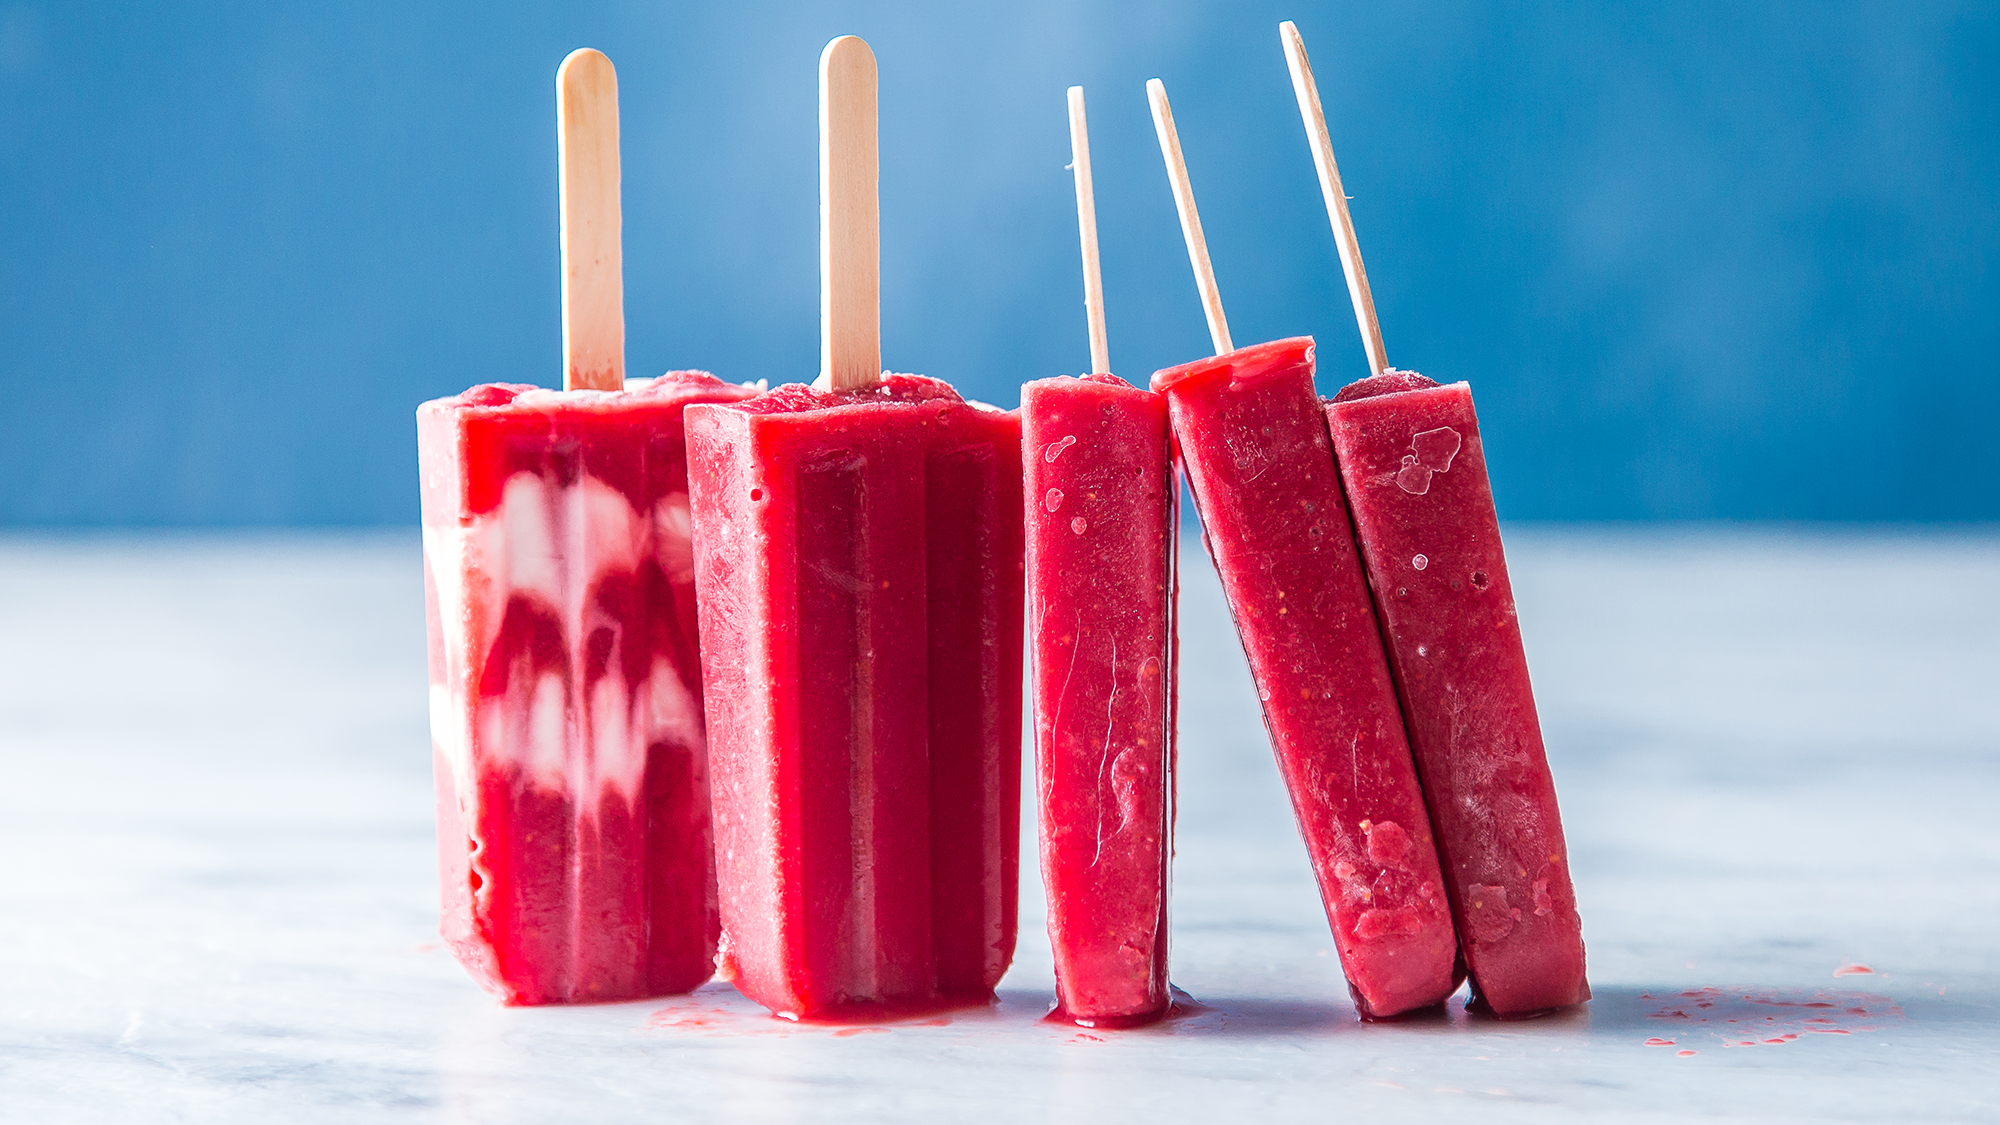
<point>857,558</point>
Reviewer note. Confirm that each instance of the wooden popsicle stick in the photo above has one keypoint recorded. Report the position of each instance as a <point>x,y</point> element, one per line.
<point>850,232</point>
<point>593,283</point>
<point>1197,245</point>
<point>1336,196</point>
<point>1086,229</point>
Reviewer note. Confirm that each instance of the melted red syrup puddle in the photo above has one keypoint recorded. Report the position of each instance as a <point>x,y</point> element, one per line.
<point>708,1019</point>
<point>1179,1006</point>
<point>1777,1017</point>
<point>1429,1013</point>
<point>860,1019</point>
<point>1478,1006</point>
<point>906,1015</point>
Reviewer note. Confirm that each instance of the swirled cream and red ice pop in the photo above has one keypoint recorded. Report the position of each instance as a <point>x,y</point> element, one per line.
<point>573,836</point>
<point>573,822</point>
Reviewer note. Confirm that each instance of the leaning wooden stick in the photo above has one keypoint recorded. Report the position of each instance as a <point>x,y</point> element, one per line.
<point>593,284</point>
<point>1336,196</point>
<point>1086,229</point>
<point>1197,245</point>
<point>850,239</point>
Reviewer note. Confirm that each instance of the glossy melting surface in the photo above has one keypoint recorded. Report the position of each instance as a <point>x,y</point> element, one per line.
<point>1254,444</point>
<point>1101,507</point>
<point>1415,471</point>
<point>858,556</point>
<point>573,825</point>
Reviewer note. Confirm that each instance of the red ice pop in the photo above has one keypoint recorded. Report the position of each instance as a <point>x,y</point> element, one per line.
<point>1414,468</point>
<point>1100,581</point>
<point>1100,553</point>
<point>573,822</point>
<point>1254,445</point>
<point>858,558</point>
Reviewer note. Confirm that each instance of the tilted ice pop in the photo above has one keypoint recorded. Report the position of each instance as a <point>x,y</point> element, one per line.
<point>858,558</point>
<point>573,836</point>
<point>1254,444</point>
<point>1415,473</point>
<point>1100,540</point>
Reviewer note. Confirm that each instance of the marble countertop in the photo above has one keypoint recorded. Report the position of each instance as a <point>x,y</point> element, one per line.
<point>1778,755</point>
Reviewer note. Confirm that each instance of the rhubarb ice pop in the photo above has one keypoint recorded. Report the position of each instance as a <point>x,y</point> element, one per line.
<point>858,563</point>
<point>1414,471</point>
<point>573,826</point>
<point>1100,549</point>
<point>1254,445</point>
<point>1100,554</point>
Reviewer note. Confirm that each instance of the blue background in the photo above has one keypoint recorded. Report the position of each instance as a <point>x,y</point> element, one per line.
<point>1698,260</point>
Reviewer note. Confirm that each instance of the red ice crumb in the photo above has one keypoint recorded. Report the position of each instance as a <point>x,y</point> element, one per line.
<point>1853,969</point>
<point>1659,1042</point>
<point>1685,1054</point>
<point>1388,843</point>
<point>1379,923</point>
<point>1487,912</point>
